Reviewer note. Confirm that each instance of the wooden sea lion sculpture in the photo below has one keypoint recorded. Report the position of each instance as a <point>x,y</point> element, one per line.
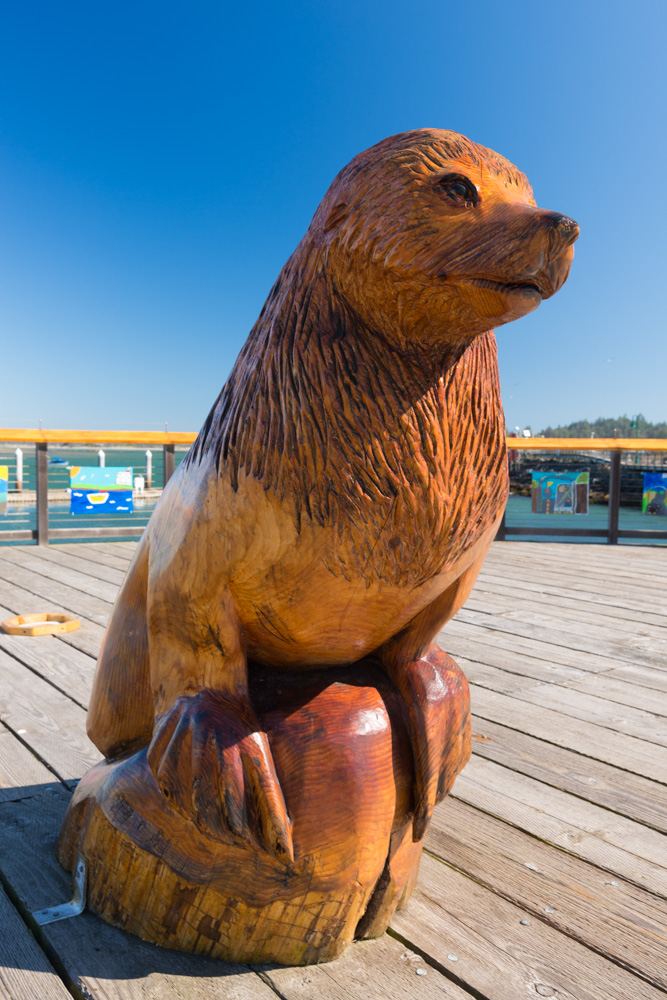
<point>276,719</point>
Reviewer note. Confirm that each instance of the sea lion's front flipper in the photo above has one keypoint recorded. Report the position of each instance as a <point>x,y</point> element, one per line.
<point>208,753</point>
<point>214,765</point>
<point>435,692</point>
<point>436,695</point>
<point>120,714</point>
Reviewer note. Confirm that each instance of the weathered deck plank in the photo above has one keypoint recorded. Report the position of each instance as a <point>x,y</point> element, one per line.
<point>92,566</point>
<point>76,601</point>
<point>588,831</point>
<point>617,920</point>
<point>495,947</point>
<point>20,601</point>
<point>25,972</point>
<point>47,720</point>
<point>516,675</point>
<point>626,752</point>
<point>558,819</point>
<point>50,569</point>
<point>64,666</point>
<point>523,587</point>
<point>622,792</point>
<point>98,553</point>
<point>550,597</point>
<point>643,723</point>
<point>19,768</point>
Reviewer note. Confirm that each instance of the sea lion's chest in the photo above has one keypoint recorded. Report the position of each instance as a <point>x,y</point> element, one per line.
<point>333,528</point>
<point>333,592</point>
<point>308,608</point>
<point>425,486</point>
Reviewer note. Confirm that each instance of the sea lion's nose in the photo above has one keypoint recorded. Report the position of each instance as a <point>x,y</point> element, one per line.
<point>562,232</point>
<point>568,230</point>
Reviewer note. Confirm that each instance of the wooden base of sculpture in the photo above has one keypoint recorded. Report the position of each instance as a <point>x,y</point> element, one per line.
<point>339,740</point>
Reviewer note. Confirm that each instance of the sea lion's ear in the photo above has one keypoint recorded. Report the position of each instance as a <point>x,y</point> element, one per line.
<point>337,214</point>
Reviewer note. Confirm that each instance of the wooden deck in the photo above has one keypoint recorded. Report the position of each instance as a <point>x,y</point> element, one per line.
<point>545,873</point>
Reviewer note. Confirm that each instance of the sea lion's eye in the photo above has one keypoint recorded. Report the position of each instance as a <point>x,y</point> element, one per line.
<point>459,190</point>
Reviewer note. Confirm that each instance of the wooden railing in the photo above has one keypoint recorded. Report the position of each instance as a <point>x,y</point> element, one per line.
<point>30,435</point>
<point>43,438</point>
<point>585,444</point>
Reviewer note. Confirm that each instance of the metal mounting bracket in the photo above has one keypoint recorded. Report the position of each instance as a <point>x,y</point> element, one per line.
<point>76,905</point>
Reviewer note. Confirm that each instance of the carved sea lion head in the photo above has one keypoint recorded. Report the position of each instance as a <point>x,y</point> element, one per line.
<point>429,236</point>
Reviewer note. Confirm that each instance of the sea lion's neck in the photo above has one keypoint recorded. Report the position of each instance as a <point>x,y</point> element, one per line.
<point>350,433</point>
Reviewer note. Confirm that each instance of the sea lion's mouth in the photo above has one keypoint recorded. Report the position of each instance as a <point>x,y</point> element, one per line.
<point>524,285</point>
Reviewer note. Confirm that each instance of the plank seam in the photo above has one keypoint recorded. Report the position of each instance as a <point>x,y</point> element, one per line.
<point>643,661</point>
<point>492,585</point>
<point>51,579</point>
<point>77,569</point>
<point>486,640</point>
<point>266,979</point>
<point>516,696</point>
<point>480,715</point>
<point>528,908</point>
<point>438,966</point>
<point>16,609</point>
<point>559,847</point>
<point>576,795</point>
<point>68,784</point>
<point>40,938</point>
<point>36,672</point>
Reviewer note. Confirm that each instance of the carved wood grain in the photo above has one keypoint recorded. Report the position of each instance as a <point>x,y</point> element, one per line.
<point>332,515</point>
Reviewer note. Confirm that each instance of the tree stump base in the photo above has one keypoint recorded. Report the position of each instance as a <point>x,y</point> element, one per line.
<point>339,739</point>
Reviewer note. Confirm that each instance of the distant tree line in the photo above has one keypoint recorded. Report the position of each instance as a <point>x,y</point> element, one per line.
<point>604,427</point>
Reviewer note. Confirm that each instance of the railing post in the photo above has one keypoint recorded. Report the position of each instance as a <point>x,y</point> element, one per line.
<point>42,470</point>
<point>169,462</point>
<point>19,469</point>
<point>614,496</point>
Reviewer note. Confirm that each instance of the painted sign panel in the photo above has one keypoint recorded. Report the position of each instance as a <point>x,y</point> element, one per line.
<point>101,491</point>
<point>4,488</point>
<point>654,499</point>
<point>559,492</point>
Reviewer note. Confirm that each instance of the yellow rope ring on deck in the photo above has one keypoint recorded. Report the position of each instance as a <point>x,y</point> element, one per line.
<point>40,624</point>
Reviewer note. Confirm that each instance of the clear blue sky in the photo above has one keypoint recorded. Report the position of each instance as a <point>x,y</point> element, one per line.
<point>160,161</point>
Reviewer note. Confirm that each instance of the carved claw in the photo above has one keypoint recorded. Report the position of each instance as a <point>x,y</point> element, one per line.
<point>215,767</point>
<point>436,695</point>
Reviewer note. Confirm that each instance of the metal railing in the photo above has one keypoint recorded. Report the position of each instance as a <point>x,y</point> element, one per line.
<point>42,533</point>
<point>616,447</point>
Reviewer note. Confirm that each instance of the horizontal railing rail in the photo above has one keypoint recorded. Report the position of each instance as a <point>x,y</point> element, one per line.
<point>42,438</point>
<point>39,436</point>
<point>585,444</point>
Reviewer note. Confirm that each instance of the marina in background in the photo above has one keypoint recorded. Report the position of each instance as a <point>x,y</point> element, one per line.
<point>615,513</point>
